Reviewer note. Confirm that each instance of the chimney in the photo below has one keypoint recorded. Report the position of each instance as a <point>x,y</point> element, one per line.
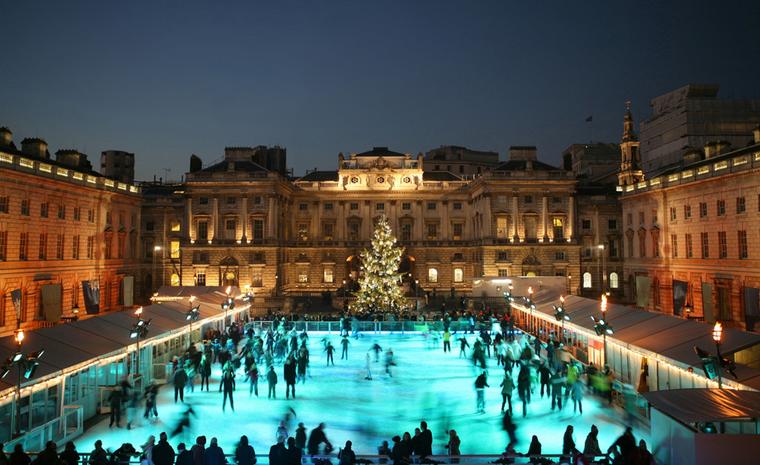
<point>196,164</point>
<point>756,134</point>
<point>73,159</point>
<point>520,152</point>
<point>6,137</point>
<point>35,147</point>
<point>692,155</point>
<point>710,150</point>
<point>722,146</point>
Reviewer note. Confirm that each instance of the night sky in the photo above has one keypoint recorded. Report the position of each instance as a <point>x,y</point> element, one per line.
<point>167,79</point>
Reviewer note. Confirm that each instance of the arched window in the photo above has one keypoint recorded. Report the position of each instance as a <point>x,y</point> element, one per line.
<point>432,275</point>
<point>614,282</point>
<point>587,280</point>
<point>175,279</point>
<point>458,275</point>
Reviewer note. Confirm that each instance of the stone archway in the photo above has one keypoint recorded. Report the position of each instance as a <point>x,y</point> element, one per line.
<point>229,272</point>
<point>531,265</point>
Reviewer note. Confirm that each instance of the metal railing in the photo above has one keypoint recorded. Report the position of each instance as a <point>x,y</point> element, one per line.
<point>60,430</point>
<point>403,326</point>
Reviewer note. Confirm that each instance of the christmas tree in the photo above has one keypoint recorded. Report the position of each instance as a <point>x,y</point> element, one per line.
<point>380,284</point>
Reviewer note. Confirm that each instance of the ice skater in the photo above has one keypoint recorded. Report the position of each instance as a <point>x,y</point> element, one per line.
<point>377,350</point>
<point>289,373</point>
<point>272,382</point>
<point>463,345</point>
<point>253,378</point>
<point>389,362</point>
<point>344,352</point>
<point>330,349</point>
<point>228,385</point>
<point>446,341</point>
<point>369,370</point>
<point>480,389</point>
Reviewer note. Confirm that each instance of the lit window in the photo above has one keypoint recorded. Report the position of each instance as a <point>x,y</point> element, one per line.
<point>458,275</point>
<point>614,280</point>
<point>303,277</point>
<point>328,275</point>
<point>176,227</point>
<point>432,275</point>
<point>174,249</point>
<point>587,280</point>
<point>175,279</point>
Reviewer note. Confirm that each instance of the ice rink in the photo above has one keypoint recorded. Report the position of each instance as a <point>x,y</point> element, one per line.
<point>426,384</point>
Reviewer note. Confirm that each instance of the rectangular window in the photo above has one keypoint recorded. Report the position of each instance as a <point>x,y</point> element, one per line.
<point>641,217</point>
<point>742,240</point>
<point>654,216</point>
<point>3,245</point>
<point>406,231</point>
<point>741,205</point>
<point>23,247</point>
<point>655,244</point>
<point>457,205</point>
<point>257,200</point>
<point>75,247</point>
<point>458,275</point>
<point>257,277</point>
<point>44,207</point>
<point>303,276</point>
<point>502,256</point>
<point>458,231</point>
<point>174,249</point>
<point>231,200</point>
<point>42,255</point>
<point>689,248</point>
<point>353,206</point>
<point>586,224</point>
<point>108,246</point>
<point>501,227</point>
<point>200,278</point>
<point>176,226</point>
<point>25,207</point>
<point>432,275</point>
<point>406,206</point>
<point>203,200</point>
<point>59,247</point>
<point>705,242</point>
<point>642,245</point>
<point>432,231</point>
<point>91,247</point>
<point>702,209</point>
<point>720,207</point>
<point>629,219</point>
<point>109,217</point>
<point>91,215</point>
<point>329,206</point>
<point>612,224</point>
<point>559,256</point>
<point>722,245</point>
<point>120,245</point>
<point>558,228</point>
<point>77,213</point>
<point>303,206</point>
<point>327,276</point>
<point>61,212</point>
<point>258,230</point>
<point>687,212</point>
<point>503,272</point>
<point>380,207</point>
<point>353,230</point>
<point>431,205</point>
<point>613,248</point>
<point>528,199</point>
<point>303,231</point>
<point>230,225</point>
<point>673,214</point>
<point>674,245</point>
<point>203,230</point>
<point>4,201</point>
<point>328,230</point>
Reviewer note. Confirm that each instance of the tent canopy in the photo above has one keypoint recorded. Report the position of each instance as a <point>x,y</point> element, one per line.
<point>706,405</point>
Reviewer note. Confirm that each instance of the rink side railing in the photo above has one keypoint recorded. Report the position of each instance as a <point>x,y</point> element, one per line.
<point>469,459</point>
<point>404,326</point>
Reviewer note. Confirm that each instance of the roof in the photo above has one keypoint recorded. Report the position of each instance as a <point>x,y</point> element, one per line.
<point>667,335</point>
<point>237,165</point>
<point>315,176</point>
<point>706,405</point>
<point>680,165</point>
<point>70,344</point>
<point>522,165</point>
<point>439,176</point>
<point>380,152</point>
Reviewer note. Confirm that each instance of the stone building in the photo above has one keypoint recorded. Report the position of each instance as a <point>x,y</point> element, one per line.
<point>62,224</point>
<point>118,165</point>
<point>690,247</point>
<point>460,160</point>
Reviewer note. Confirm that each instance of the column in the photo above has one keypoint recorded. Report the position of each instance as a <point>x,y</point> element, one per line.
<point>271,218</point>
<point>545,216</point>
<point>515,215</point>
<point>189,219</point>
<point>340,228</point>
<point>487,216</point>
<point>445,226</point>
<point>214,219</point>
<point>244,219</point>
<point>570,218</point>
<point>419,221</point>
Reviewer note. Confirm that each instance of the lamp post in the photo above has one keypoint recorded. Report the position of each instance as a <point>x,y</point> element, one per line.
<point>717,335</point>
<point>603,269</point>
<point>156,249</point>
<point>192,315</point>
<point>602,327</point>
<point>26,365</point>
<point>139,330</point>
<point>227,305</point>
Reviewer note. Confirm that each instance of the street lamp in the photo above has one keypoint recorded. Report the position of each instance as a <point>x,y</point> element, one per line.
<point>602,327</point>
<point>717,335</point>
<point>139,330</point>
<point>228,304</point>
<point>603,270</point>
<point>192,315</point>
<point>561,315</point>
<point>26,366</point>
<point>156,249</point>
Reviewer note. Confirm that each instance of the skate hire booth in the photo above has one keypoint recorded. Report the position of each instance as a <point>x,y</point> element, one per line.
<point>82,361</point>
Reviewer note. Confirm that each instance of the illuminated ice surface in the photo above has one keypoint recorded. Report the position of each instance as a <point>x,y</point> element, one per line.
<point>426,384</point>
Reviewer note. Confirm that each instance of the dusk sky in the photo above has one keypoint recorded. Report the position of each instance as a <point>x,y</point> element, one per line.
<point>168,79</point>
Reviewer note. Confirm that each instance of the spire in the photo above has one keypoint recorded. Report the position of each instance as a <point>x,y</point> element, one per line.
<point>628,133</point>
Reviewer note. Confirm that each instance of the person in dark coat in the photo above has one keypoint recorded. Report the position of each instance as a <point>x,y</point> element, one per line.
<point>184,457</point>
<point>591,446</point>
<point>346,456</point>
<point>316,438</point>
<point>163,452</point>
<point>534,449</point>
<point>244,453</point>
<point>425,441</point>
<point>330,349</point>
<point>180,380</point>
<point>568,444</point>
<point>124,454</point>
<point>523,387</point>
<point>3,458</point>
<point>294,454</point>
<point>214,454</point>
<point>301,436</point>
<point>625,446</point>
<point>199,450</point>
<point>278,454</point>
<point>228,384</point>
<point>115,399</point>
<point>271,382</point>
<point>205,370</point>
<point>48,456</point>
<point>18,456</point>
<point>70,456</point>
<point>98,456</point>
<point>289,373</point>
